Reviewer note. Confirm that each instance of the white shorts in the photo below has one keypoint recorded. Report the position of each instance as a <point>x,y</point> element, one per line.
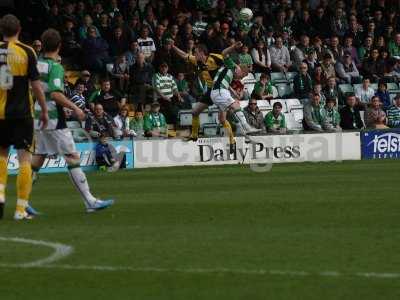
<point>51,142</point>
<point>222,98</point>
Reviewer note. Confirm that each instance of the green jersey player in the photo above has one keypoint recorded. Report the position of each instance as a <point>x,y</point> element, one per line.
<point>57,139</point>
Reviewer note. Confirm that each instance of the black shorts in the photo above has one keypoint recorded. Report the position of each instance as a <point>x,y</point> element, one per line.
<point>206,98</point>
<point>17,133</point>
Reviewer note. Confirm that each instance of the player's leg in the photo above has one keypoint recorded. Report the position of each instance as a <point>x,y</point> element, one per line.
<point>65,144</point>
<point>37,163</point>
<point>3,178</point>
<point>199,107</point>
<point>23,143</point>
<point>227,126</point>
<point>24,184</point>
<point>223,99</point>
<point>79,180</point>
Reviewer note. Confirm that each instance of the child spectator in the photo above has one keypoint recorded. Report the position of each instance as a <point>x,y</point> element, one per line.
<point>383,95</point>
<point>183,89</point>
<point>274,120</point>
<point>155,124</point>
<point>263,88</point>
<point>245,58</point>
<point>137,123</point>
<point>331,117</point>
<point>122,123</point>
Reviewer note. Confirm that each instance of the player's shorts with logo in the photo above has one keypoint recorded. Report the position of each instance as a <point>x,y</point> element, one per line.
<point>52,142</point>
<point>222,98</point>
<point>17,133</point>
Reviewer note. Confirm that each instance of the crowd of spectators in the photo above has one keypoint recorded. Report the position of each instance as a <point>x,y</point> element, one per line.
<point>134,78</point>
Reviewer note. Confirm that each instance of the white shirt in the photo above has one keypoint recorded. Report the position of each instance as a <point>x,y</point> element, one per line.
<point>146,46</point>
<point>364,95</point>
<point>264,59</point>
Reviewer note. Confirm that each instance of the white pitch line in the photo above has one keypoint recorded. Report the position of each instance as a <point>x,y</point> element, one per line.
<point>61,251</point>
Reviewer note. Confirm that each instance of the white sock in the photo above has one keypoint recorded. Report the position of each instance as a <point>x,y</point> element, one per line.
<point>79,180</point>
<point>242,122</point>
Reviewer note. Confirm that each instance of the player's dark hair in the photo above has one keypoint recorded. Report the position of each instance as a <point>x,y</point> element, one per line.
<point>51,40</point>
<point>9,25</point>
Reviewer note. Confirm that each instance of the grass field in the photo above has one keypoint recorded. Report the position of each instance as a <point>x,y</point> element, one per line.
<point>301,231</point>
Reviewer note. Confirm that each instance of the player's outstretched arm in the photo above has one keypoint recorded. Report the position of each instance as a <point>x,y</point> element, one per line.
<point>180,52</point>
<point>231,48</point>
<point>60,99</point>
<point>39,95</point>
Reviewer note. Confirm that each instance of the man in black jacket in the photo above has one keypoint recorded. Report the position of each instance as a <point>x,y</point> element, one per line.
<point>350,118</point>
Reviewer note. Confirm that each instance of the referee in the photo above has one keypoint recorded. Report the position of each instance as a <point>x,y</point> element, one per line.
<point>17,70</point>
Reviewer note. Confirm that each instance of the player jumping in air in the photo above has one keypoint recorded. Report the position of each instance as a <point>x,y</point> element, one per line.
<point>221,95</point>
<point>207,65</point>
<point>57,138</point>
<point>17,70</point>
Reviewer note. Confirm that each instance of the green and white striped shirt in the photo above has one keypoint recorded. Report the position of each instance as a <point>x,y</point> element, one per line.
<point>165,84</point>
<point>199,27</point>
<point>223,78</point>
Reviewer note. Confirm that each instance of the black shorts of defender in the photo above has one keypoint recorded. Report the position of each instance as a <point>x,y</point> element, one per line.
<point>206,98</point>
<point>17,133</point>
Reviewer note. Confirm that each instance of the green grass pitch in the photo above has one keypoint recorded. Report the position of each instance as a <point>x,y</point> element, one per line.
<point>213,233</point>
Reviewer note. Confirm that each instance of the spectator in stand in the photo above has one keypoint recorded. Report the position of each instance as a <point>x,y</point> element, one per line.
<point>167,55</point>
<point>302,83</point>
<point>121,122</point>
<point>146,44</point>
<point>120,73</point>
<point>394,46</point>
<point>300,51</point>
<point>95,52</point>
<point>245,58</point>
<point>263,89</point>
<point>136,123</point>
<point>311,59</point>
<point>104,27</point>
<point>331,89</point>
<point>383,95</point>
<point>280,57</point>
<point>159,36</point>
<point>83,31</point>
<point>328,66</point>
<point>365,49</point>
<point>350,118</point>
<point>393,113</point>
<point>364,93</point>
<point>237,90</point>
<point>261,58</point>
<point>183,89</point>
<point>318,76</point>
<point>167,92</point>
<point>349,48</point>
<point>253,115</point>
<point>132,53</point>
<point>320,22</point>
<point>335,49</point>
<point>155,124</point>
<point>347,70</point>
<point>109,99</point>
<point>37,46</point>
<point>140,76</point>
<point>375,116</point>
<point>269,38</point>
<point>330,116</point>
<point>313,114</point>
<point>100,124</point>
<point>373,67</point>
<point>275,121</point>
<point>70,48</point>
<point>339,25</point>
<point>118,43</point>
<point>78,98</point>
<point>317,89</point>
<point>87,82</point>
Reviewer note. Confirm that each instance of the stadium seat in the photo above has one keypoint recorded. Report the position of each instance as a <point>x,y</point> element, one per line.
<point>284,90</point>
<point>73,124</point>
<point>374,86</point>
<point>290,76</point>
<point>109,67</point>
<point>249,87</point>
<point>392,96</point>
<point>345,89</point>
<point>393,88</point>
<point>249,79</point>
<point>356,86</point>
<point>257,76</point>
<point>278,77</point>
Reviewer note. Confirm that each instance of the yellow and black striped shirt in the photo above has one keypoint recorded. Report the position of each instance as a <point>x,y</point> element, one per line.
<point>17,67</point>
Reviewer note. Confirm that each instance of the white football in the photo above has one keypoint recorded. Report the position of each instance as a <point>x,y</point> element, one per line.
<point>246,14</point>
